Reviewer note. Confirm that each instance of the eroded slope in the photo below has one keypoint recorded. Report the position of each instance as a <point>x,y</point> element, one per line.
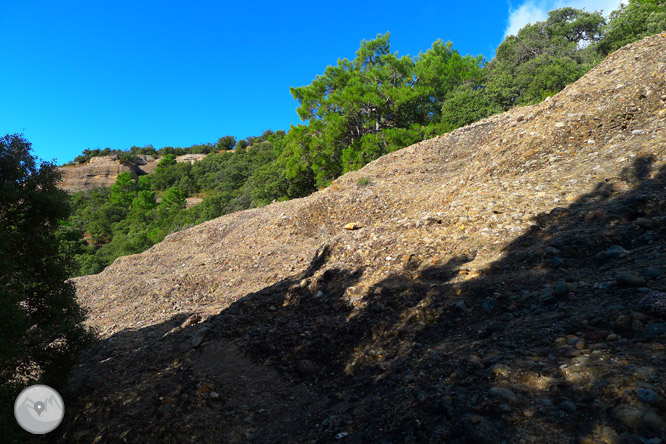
<point>483,296</point>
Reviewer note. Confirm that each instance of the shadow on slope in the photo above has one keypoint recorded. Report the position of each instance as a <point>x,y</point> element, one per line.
<point>425,356</point>
<point>549,344</point>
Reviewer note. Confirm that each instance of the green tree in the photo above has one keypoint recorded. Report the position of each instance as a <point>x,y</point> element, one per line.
<point>632,22</point>
<point>41,330</point>
<point>466,105</point>
<point>440,71</point>
<point>124,190</point>
<point>543,58</point>
<point>361,109</point>
<point>172,200</point>
<point>226,143</point>
<point>354,99</point>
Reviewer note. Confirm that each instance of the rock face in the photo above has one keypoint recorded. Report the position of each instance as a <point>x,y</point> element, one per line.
<point>475,251</point>
<point>102,171</point>
<point>99,172</point>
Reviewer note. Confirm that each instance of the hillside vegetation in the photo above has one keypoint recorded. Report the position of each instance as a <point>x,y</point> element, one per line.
<point>356,111</point>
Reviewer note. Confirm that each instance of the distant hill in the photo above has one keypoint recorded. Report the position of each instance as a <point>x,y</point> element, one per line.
<point>505,282</point>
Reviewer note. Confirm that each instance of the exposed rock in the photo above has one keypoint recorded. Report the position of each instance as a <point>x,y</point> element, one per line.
<point>503,393</point>
<point>99,172</point>
<point>199,336</point>
<point>102,171</point>
<point>192,320</point>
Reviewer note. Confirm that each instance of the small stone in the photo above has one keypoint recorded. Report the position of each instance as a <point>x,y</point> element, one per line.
<point>650,332</point>
<point>561,340</point>
<point>648,396</point>
<point>489,305</point>
<point>572,353</point>
<point>654,302</point>
<point>638,417</point>
<point>172,331</point>
<point>573,340</point>
<point>568,406</point>
<point>629,280</point>
<point>644,223</point>
<point>501,370</point>
<point>205,387</point>
<point>529,412</point>
<point>352,226</point>
<point>651,273</point>
<point>460,306</point>
<point>561,289</point>
<point>560,125</point>
<point>616,252</point>
<point>547,296</point>
<point>580,345</point>
<point>602,435</point>
<point>503,393</point>
<point>637,325</point>
<point>199,336</point>
<point>624,321</point>
<point>612,337</point>
<point>192,320</point>
<point>545,402</point>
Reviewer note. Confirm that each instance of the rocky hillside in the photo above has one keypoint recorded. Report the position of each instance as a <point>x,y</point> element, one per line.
<point>102,171</point>
<point>502,283</point>
<point>98,172</point>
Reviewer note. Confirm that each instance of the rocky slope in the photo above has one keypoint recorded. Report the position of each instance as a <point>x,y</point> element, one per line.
<point>502,283</point>
<point>98,172</point>
<point>102,171</point>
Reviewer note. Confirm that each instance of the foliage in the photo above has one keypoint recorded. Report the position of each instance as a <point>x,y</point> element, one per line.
<point>542,58</point>
<point>638,19</point>
<point>136,213</point>
<point>226,143</point>
<point>376,103</point>
<point>40,323</point>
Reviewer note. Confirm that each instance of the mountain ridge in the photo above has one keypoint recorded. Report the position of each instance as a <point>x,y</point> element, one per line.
<point>458,232</point>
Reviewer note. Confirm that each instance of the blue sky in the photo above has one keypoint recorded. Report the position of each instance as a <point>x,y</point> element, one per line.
<point>79,75</point>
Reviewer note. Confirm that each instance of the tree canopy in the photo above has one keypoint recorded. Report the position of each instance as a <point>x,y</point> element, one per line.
<point>41,330</point>
<point>361,109</point>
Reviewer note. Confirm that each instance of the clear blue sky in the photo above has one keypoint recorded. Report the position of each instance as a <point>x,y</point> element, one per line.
<point>88,74</point>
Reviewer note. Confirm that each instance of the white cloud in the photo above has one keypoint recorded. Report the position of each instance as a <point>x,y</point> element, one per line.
<point>532,11</point>
<point>528,12</point>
